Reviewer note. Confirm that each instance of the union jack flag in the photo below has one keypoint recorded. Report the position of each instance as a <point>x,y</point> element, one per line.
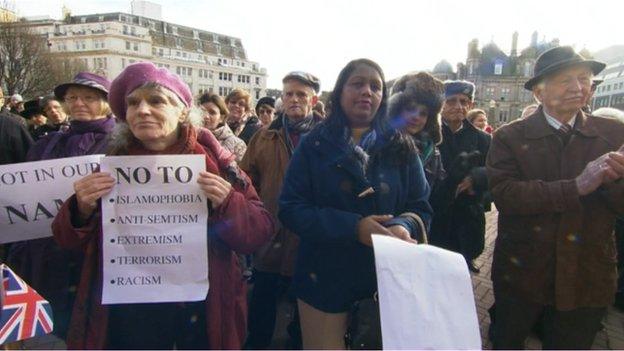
<point>24,312</point>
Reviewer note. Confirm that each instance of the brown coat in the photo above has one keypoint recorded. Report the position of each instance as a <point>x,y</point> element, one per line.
<point>266,161</point>
<point>554,246</point>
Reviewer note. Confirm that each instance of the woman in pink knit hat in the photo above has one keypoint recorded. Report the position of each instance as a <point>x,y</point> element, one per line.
<point>152,106</point>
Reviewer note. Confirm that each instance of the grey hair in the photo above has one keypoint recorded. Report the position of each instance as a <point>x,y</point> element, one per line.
<point>609,112</point>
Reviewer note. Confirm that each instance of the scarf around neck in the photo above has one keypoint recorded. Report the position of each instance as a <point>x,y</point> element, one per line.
<point>300,126</point>
<point>425,147</point>
<point>82,138</point>
<point>362,149</point>
<point>238,126</point>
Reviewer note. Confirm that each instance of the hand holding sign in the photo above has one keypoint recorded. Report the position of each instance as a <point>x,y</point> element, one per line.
<point>215,188</point>
<point>399,232</point>
<point>90,189</point>
<point>370,225</point>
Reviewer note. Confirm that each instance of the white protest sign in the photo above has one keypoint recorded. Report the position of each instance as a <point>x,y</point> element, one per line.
<point>425,297</point>
<point>155,222</point>
<point>31,194</point>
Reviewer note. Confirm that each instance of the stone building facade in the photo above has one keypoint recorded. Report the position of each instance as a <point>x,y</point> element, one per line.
<point>107,43</point>
<point>499,76</point>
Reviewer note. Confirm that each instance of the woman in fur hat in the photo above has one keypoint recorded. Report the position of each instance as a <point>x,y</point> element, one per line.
<point>414,107</point>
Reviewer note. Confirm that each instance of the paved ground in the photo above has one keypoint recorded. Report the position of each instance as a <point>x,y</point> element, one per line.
<point>611,337</point>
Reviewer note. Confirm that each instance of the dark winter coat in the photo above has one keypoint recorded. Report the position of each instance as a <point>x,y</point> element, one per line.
<point>320,203</point>
<point>249,226</point>
<point>15,141</point>
<point>554,246</point>
<point>459,222</point>
<point>252,125</point>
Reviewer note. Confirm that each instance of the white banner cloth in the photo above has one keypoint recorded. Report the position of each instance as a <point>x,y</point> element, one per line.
<point>425,297</point>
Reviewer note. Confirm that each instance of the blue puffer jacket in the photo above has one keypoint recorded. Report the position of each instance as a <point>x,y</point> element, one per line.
<point>320,203</point>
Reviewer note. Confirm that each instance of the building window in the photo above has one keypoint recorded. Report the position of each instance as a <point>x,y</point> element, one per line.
<point>99,62</point>
<point>136,46</point>
<point>502,116</point>
<point>125,29</point>
<point>161,52</point>
<point>123,63</point>
<point>498,68</point>
<point>127,45</point>
<point>527,69</point>
<point>257,80</point>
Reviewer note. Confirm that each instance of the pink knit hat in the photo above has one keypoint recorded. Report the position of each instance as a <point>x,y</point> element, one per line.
<point>138,74</point>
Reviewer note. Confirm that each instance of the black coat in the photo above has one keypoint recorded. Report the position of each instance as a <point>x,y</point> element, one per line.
<point>459,222</point>
<point>252,125</point>
<point>14,139</point>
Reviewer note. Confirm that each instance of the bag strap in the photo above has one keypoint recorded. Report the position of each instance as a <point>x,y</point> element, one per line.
<point>421,225</point>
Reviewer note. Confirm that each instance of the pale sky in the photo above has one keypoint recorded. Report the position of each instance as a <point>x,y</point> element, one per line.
<point>321,36</point>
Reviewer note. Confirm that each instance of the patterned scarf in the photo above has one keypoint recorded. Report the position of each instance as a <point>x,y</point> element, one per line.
<point>362,149</point>
<point>238,126</point>
<point>300,126</point>
<point>425,148</point>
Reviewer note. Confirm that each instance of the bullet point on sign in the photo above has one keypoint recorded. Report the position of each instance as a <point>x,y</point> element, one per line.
<point>113,241</point>
<point>112,282</point>
<point>112,220</point>
<point>112,261</point>
<point>111,200</point>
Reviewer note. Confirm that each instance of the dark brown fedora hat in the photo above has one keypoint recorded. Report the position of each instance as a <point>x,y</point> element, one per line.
<point>556,59</point>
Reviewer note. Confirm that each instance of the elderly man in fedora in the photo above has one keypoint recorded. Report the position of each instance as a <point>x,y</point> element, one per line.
<point>556,179</point>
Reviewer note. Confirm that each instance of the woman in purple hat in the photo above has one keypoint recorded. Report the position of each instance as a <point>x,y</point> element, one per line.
<point>49,269</point>
<point>153,106</point>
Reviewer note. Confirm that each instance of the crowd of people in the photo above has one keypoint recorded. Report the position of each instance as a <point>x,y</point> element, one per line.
<point>297,187</point>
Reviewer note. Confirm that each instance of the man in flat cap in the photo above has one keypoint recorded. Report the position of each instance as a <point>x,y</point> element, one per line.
<point>266,160</point>
<point>556,179</point>
<point>459,223</point>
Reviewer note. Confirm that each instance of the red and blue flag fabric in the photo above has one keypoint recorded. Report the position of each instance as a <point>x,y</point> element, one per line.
<point>25,313</point>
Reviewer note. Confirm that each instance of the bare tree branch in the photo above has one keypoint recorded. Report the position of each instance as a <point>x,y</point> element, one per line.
<point>26,65</point>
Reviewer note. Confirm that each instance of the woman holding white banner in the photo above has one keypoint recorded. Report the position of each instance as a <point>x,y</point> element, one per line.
<point>153,107</point>
<point>349,178</point>
<point>52,271</point>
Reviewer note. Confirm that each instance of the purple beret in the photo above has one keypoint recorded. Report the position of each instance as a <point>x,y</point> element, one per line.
<point>138,74</point>
<point>84,79</point>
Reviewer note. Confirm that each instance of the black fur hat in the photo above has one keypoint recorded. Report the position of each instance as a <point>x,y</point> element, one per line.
<point>419,89</point>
